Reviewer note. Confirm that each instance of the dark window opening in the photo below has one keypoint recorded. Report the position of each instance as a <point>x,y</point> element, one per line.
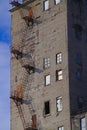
<point>79,74</point>
<point>78,59</point>
<point>47,107</point>
<point>78,31</point>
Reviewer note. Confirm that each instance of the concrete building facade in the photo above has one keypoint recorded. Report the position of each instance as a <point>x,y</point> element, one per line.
<point>48,65</point>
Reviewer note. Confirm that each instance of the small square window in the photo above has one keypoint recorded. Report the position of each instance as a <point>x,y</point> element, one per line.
<point>46,63</point>
<point>58,58</point>
<point>59,104</point>
<point>47,80</point>
<point>61,128</point>
<point>59,75</point>
<point>46,5</point>
<point>47,108</point>
<point>57,1</point>
<point>83,123</point>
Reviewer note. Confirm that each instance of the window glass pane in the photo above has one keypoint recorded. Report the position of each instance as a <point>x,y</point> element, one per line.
<point>60,77</point>
<point>79,75</point>
<point>46,5</point>
<point>78,59</point>
<point>46,63</point>
<point>57,2</point>
<point>59,104</point>
<point>61,128</point>
<point>47,79</point>
<point>60,72</point>
<point>58,58</point>
<point>83,124</point>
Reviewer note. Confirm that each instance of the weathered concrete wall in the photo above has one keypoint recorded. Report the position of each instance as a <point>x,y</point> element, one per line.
<point>46,38</point>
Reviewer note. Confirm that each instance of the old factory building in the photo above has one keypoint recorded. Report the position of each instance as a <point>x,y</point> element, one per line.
<point>48,65</point>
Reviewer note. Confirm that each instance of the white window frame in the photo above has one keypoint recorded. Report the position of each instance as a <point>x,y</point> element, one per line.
<point>59,75</point>
<point>46,63</point>
<point>59,104</point>
<point>57,1</point>
<point>61,128</point>
<point>83,123</point>
<point>59,58</point>
<point>47,79</point>
<point>46,5</point>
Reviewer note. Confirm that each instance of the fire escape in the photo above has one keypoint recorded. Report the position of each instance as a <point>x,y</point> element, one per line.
<point>17,51</point>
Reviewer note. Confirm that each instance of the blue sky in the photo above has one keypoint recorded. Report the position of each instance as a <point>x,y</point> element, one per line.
<point>4,65</point>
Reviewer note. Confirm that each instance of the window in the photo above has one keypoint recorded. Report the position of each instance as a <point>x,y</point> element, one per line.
<point>47,107</point>
<point>59,104</point>
<point>83,123</point>
<point>86,3</point>
<point>57,1</point>
<point>59,75</point>
<point>78,59</point>
<point>47,80</point>
<point>79,74</point>
<point>78,31</point>
<point>46,5</point>
<point>16,78</point>
<point>46,63</point>
<point>61,128</point>
<point>58,58</point>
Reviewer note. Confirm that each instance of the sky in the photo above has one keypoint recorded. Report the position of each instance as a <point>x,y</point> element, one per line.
<point>4,65</point>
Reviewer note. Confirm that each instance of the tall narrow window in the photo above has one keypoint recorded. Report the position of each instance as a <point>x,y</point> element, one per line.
<point>83,123</point>
<point>56,1</point>
<point>46,5</point>
<point>46,62</point>
<point>59,104</point>
<point>47,107</point>
<point>59,75</point>
<point>47,80</point>
<point>78,59</point>
<point>79,74</point>
<point>61,128</point>
<point>58,58</point>
<point>78,31</point>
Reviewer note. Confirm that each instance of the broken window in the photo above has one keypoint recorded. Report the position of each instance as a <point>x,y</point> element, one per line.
<point>59,104</point>
<point>46,63</point>
<point>47,80</point>
<point>58,58</point>
<point>57,1</point>
<point>83,123</point>
<point>59,75</point>
<point>46,5</point>
<point>61,128</point>
<point>47,107</point>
